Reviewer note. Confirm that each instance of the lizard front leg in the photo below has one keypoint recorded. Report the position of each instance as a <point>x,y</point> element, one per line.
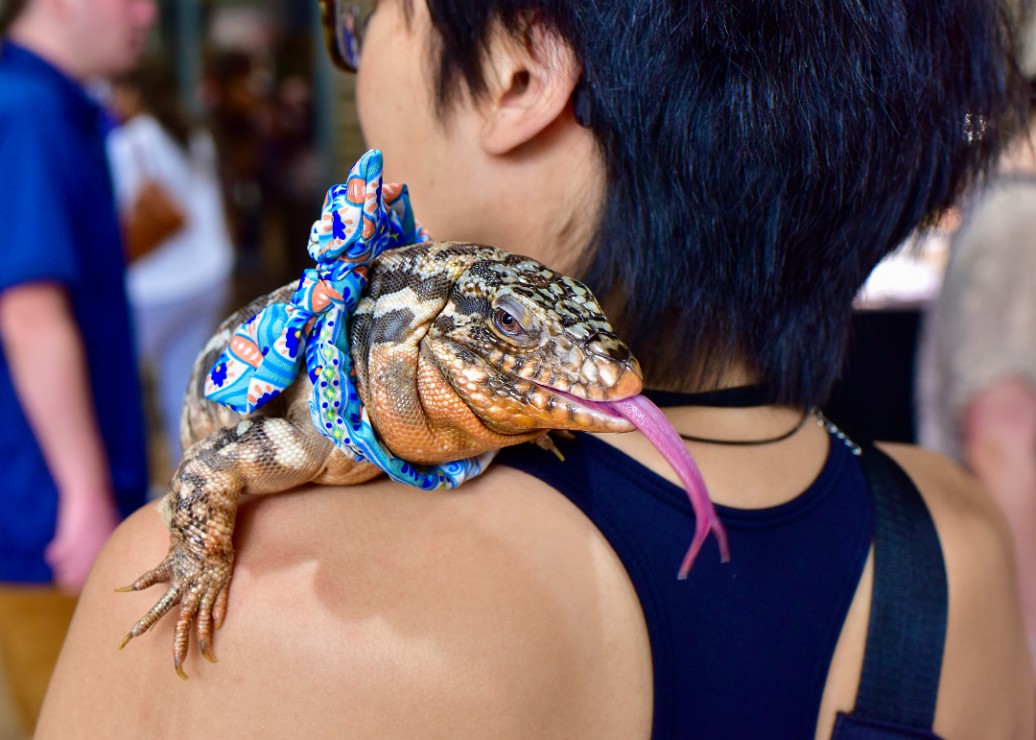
<point>259,455</point>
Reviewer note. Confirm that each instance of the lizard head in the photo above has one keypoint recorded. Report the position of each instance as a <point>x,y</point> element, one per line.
<point>528,348</point>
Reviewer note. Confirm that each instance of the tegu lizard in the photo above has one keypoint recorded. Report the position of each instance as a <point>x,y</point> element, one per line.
<point>458,350</point>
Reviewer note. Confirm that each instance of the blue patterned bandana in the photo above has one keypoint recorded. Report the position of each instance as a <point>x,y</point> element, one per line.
<point>360,220</point>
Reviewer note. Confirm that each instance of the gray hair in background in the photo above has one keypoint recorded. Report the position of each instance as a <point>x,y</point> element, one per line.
<point>1025,14</point>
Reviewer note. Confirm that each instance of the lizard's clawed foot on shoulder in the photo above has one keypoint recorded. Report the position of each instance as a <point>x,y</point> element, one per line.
<point>200,585</point>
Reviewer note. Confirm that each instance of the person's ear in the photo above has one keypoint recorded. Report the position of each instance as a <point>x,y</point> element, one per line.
<point>531,83</point>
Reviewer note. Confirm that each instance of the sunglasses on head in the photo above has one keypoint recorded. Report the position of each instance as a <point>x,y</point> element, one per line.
<point>344,23</point>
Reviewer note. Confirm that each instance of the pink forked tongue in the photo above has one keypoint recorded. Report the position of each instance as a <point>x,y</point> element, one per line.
<point>646,417</point>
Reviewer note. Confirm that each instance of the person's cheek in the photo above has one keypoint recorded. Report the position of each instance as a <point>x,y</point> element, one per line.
<point>364,102</point>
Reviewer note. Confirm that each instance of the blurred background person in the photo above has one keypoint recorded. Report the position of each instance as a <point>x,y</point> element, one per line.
<point>71,435</point>
<point>977,362</point>
<point>179,289</point>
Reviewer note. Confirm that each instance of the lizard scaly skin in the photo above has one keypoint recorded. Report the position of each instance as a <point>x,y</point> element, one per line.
<point>458,350</point>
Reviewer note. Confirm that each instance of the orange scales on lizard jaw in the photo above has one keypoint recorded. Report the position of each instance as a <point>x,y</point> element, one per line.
<point>494,363</point>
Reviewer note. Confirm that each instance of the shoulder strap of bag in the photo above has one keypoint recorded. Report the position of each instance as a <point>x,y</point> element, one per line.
<point>907,631</point>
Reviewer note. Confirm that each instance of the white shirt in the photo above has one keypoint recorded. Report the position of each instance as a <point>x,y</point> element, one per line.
<point>200,255</point>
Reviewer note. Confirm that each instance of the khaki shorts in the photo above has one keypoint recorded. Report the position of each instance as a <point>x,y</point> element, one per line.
<point>33,623</point>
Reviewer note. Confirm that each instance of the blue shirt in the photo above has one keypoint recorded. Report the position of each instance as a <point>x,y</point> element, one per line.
<point>58,224</point>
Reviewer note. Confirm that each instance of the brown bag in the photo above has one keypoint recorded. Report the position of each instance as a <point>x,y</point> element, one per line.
<point>153,218</point>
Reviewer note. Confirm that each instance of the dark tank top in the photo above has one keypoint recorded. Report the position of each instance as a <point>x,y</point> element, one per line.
<point>740,649</point>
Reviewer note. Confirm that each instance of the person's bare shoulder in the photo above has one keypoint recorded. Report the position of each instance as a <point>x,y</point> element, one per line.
<point>375,611</point>
<point>986,689</point>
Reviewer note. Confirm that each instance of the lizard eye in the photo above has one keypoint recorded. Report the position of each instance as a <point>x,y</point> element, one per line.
<point>507,324</point>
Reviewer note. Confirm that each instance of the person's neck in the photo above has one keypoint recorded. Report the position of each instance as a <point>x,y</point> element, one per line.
<point>561,180</point>
<point>47,43</point>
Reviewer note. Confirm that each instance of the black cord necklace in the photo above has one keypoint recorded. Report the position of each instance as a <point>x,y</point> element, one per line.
<point>752,442</point>
<point>742,396</point>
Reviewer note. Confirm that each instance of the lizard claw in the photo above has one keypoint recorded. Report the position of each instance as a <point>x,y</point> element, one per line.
<point>178,662</point>
<point>161,574</point>
<point>219,609</point>
<point>206,650</point>
<point>211,603</point>
<point>199,583</point>
<point>157,575</point>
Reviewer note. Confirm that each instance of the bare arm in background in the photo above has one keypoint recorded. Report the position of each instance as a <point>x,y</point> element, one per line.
<point>999,442</point>
<point>48,367</point>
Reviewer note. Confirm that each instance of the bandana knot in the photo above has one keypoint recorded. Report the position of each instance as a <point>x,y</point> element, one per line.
<point>359,221</point>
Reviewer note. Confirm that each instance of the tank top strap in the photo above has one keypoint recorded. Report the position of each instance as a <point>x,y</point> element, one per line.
<point>907,629</point>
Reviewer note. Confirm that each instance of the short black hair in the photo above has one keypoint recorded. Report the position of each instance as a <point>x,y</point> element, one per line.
<point>761,158</point>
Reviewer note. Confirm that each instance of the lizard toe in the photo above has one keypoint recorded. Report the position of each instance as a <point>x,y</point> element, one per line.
<point>199,583</point>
